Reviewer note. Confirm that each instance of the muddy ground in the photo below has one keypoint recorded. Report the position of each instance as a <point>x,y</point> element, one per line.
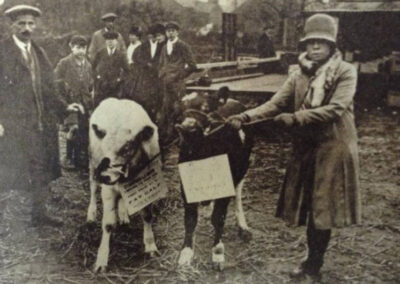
<point>368,253</point>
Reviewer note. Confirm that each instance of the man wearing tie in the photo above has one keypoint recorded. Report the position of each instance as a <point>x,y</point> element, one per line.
<point>110,67</point>
<point>29,111</point>
<point>98,41</point>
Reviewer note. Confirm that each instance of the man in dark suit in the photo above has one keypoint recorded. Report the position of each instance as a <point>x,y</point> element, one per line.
<point>265,45</point>
<point>147,86</point>
<point>98,41</point>
<point>176,64</point>
<point>29,111</point>
<point>110,69</point>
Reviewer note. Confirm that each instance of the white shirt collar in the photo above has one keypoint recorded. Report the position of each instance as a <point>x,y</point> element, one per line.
<point>111,51</point>
<point>153,47</point>
<point>22,45</point>
<point>173,41</point>
<point>136,44</point>
<point>170,45</point>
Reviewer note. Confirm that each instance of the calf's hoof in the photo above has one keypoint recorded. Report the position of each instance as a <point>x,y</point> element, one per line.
<point>152,254</point>
<point>186,256</point>
<point>151,250</point>
<point>220,266</point>
<point>99,268</point>
<point>91,215</point>
<point>122,213</point>
<point>245,235</point>
<point>218,257</point>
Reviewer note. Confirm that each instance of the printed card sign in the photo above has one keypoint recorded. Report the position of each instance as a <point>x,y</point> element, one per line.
<point>146,188</point>
<point>207,179</point>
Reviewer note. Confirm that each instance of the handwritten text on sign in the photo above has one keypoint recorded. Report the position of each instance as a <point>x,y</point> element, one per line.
<point>207,179</point>
<point>146,188</point>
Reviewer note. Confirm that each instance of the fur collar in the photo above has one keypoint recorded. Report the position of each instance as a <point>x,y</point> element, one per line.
<point>322,77</point>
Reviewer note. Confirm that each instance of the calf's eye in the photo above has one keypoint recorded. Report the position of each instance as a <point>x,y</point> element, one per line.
<point>99,133</point>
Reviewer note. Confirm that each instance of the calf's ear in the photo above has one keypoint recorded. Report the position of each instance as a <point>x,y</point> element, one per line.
<point>146,133</point>
<point>223,94</point>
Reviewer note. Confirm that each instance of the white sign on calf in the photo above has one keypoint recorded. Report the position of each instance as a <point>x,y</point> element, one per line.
<point>122,138</point>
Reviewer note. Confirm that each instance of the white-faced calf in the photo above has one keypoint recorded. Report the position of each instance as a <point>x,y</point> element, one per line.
<point>122,140</point>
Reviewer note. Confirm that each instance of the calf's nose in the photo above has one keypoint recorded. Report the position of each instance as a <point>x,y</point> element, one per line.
<point>103,165</point>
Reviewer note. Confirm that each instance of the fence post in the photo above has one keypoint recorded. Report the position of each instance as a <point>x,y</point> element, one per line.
<point>229,30</point>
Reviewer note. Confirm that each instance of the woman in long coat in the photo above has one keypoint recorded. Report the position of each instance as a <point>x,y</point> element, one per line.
<point>322,180</point>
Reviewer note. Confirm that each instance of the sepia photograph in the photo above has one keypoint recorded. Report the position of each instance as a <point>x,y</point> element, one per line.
<point>199,141</point>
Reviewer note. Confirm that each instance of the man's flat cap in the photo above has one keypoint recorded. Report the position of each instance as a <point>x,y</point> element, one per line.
<point>109,16</point>
<point>172,25</point>
<point>78,40</point>
<point>110,35</point>
<point>18,10</point>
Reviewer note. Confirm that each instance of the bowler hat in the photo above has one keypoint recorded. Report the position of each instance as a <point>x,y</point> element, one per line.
<point>320,26</point>
<point>110,35</point>
<point>157,28</point>
<point>109,17</point>
<point>172,25</point>
<point>17,10</point>
<point>135,30</point>
<point>78,40</point>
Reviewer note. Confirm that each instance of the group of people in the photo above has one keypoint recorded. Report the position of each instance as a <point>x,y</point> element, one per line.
<point>321,187</point>
<point>150,70</point>
<point>35,98</point>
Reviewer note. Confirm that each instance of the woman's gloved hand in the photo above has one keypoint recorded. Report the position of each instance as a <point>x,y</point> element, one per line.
<point>236,121</point>
<point>285,119</point>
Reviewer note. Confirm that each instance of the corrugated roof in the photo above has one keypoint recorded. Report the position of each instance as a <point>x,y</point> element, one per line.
<point>343,7</point>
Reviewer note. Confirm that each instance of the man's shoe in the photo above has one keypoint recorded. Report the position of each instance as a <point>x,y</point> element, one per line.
<point>44,220</point>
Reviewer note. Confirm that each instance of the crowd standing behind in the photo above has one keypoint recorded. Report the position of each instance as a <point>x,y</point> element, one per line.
<point>151,73</point>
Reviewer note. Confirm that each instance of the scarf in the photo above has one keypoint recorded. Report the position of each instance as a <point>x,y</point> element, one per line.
<point>322,78</point>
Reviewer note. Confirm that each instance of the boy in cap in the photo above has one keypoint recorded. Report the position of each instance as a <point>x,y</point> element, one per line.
<point>321,186</point>
<point>134,42</point>
<point>176,64</point>
<point>146,84</point>
<point>74,78</point>
<point>98,40</point>
<point>110,68</point>
<point>29,111</point>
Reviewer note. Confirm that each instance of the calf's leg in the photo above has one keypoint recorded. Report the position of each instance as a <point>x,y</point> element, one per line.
<point>244,231</point>
<point>218,220</point>
<point>123,215</point>
<point>150,247</point>
<point>92,209</point>
<point>191,215</point>
<point>108,197</point>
